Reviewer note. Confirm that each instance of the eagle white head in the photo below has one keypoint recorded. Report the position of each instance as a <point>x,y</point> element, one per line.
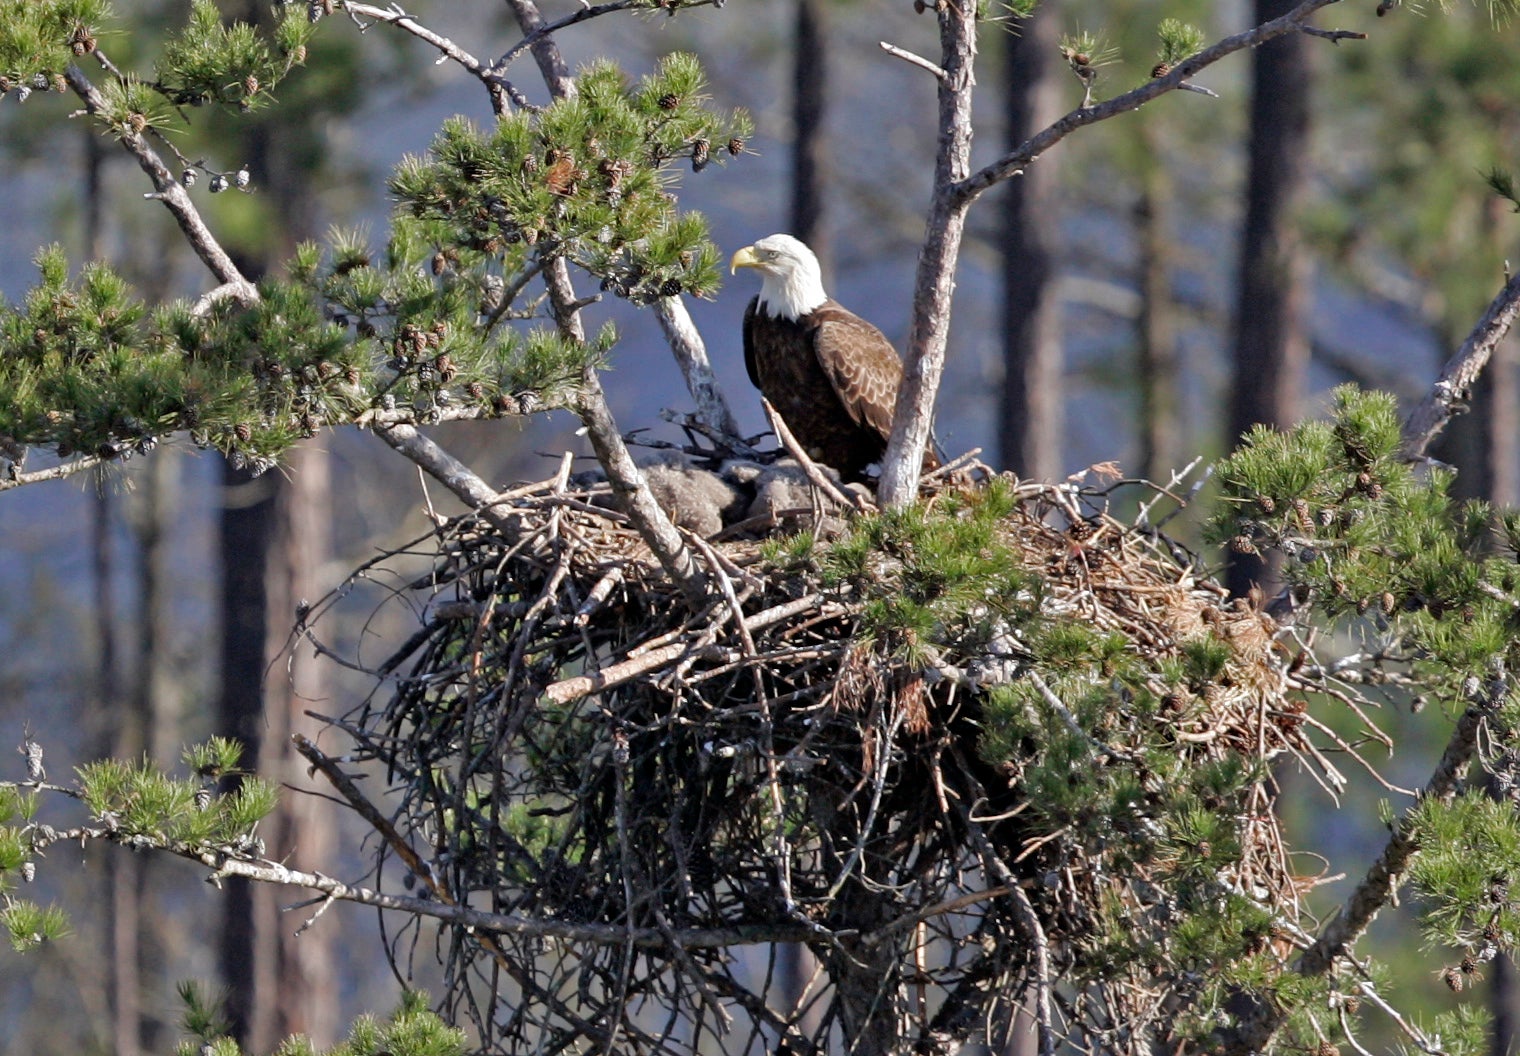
<point>791,284</point>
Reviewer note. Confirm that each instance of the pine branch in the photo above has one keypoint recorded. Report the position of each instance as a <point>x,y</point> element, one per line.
<point>15,478</point>
<point>1448,396</point>
<point>176,199</point>
<point>628,484</point>
<point>224,865</point>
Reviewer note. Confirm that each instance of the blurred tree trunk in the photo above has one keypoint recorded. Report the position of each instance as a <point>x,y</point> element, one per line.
<point>1160,367</point>
<point>795,963</point>
<point>306,994</point>
<point>273,553</point>
<point>1271,334</point>
<point>245,954</point>
<point>1031,417</point>
<point>123,875</point>
<point>810,77</point>
<point>1504,1006</point>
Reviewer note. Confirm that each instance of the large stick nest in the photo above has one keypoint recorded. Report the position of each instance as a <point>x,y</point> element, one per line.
<point>786,820</point>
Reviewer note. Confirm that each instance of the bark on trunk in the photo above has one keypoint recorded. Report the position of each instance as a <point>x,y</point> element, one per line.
<point>810,84</point>
<point>1161,428</point>
<point>1271,337</point>
<point>1032,411</point>
<point>245,950</point>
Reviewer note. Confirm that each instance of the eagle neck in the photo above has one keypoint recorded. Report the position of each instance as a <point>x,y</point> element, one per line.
<point>792,296</point>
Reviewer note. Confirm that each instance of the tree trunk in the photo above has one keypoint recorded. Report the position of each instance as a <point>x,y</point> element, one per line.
<point>1160,366</point>
<point>1032,413</point>
<point>810,58</point>
<point>1271,335</point>
<point>282,983</point>
<point>247,529</point>
<point>303,832</point>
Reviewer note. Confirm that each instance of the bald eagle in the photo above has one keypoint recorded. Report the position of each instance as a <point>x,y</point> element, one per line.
<point>831,375</point>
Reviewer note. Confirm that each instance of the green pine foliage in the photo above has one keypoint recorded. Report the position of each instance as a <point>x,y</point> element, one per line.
<point>39,39</point>
<point>141,802</point>
<point>1465,873</point>
<point>412,1030</point>
<point>946,578</point>
<point>427,326</point>
<point>230,64</point>
<point>586,178</point>
<point>30,925</point>
<point>1369,536</point>
<point>1179,40</point>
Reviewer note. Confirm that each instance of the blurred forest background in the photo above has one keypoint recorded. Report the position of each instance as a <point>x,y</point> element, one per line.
<point>1149,289</point>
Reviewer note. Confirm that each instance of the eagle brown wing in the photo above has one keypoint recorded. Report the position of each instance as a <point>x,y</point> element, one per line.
<point>860,363</point>
<point>832,377</point>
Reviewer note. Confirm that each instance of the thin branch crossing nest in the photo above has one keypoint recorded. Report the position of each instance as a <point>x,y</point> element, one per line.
<point>1001,750</point>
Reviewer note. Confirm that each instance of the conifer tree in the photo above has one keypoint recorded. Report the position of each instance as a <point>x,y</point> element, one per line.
<point>996,748</point>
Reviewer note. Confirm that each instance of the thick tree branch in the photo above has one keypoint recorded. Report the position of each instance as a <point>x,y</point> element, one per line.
<point>443,467</point>
<point>540,40</point>
<point>167,189</point>
<point>691,356</point>
<point>955,188</point>
<point>1448,396</point>
<point>934,285</point>
<point>633,494</point>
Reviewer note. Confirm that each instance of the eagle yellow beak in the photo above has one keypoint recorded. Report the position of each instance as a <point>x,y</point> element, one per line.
<point>745,258</point>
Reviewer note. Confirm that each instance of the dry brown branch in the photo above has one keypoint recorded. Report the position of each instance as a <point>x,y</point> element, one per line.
<point>815,476</point>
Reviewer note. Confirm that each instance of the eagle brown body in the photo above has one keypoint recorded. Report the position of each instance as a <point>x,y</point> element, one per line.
<point>832,376</point>
<point>837,398</point>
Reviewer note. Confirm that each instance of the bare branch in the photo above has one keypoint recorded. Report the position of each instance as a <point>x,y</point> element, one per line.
<point>541,30</point>
<point>955,188</point>
<point>691,355</point>
<point>1006,166</point>
<point>15,478</point>
<point>269,872</point>
<point>934,283</point>
<point>809,467</point>
<point>1448,396</point>
<point>539,37</point>
<point>1334,36</point>
<point>491,76</point>
<point>167,189</point>
<point>912,59</point>
<point>446,469</point>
